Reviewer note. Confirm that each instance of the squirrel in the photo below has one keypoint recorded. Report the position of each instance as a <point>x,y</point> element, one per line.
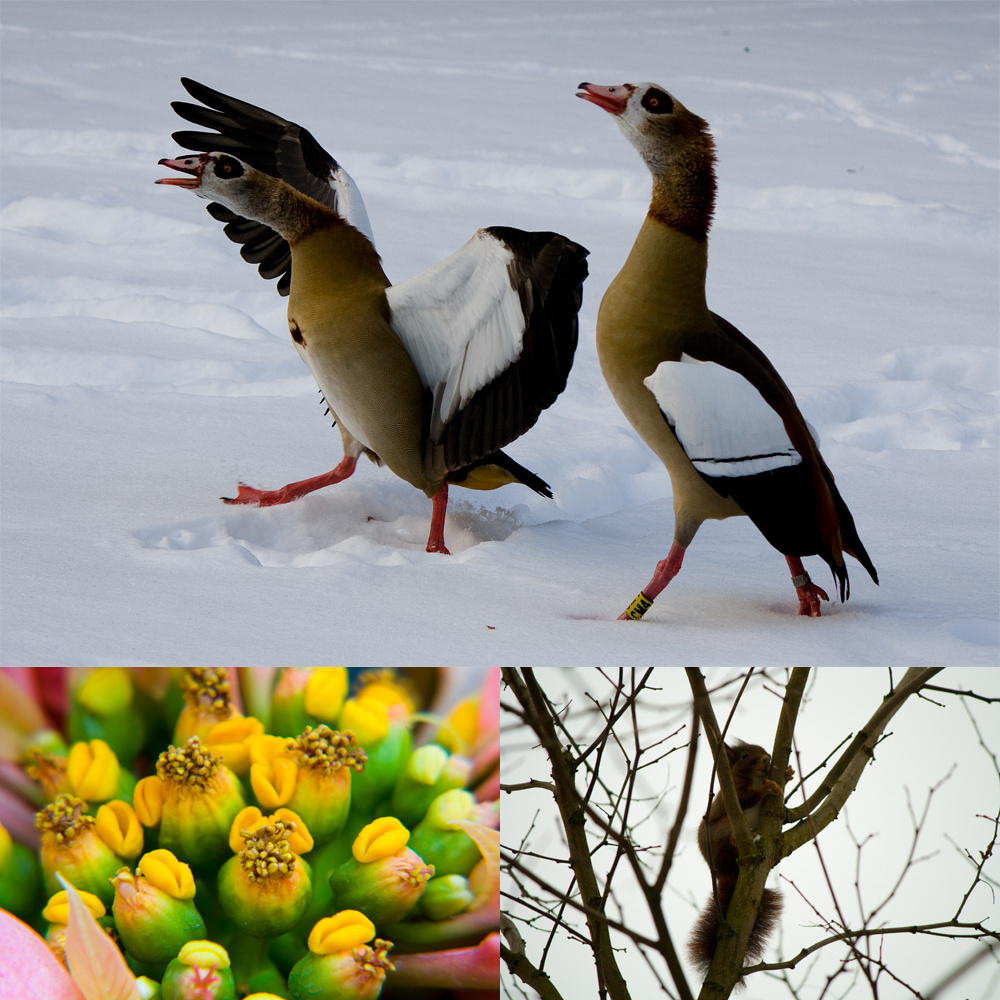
<point>750,765</point>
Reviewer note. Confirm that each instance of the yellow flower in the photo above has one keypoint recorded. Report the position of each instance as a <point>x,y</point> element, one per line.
<point>206,702</point>
<point>71,845</point>
<point>119,827</point>
<point>92,769</point>
<point>342,931</point>
<point>383,837</point>
<point>251,818</point>
<point>195,804</point>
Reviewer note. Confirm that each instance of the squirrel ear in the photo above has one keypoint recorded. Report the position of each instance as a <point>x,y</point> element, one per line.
<point>730,753</point>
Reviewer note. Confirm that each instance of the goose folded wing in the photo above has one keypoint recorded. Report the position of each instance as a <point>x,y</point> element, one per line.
<point>722,422</point>
<point>492,330</point>
<point>279,148</point>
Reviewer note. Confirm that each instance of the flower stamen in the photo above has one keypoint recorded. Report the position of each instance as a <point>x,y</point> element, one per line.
<point>65,818</point>
<point>267,854</point>
<point>327,750</point>
<point>372,959</point>
<point>207,688</point>
<point>190,766</point>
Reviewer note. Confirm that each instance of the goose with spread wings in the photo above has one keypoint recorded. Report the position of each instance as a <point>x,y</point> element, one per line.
<point>430,377</point>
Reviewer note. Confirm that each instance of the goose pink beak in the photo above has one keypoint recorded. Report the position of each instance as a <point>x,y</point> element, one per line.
<point>187,165</point>
<point>612,99</point>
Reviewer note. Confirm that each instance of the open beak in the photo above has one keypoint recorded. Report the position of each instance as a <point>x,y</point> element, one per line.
<point>193,165</point>
<point>611,99</point>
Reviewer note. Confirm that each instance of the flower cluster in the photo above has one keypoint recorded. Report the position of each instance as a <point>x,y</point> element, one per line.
<point>220,834</point>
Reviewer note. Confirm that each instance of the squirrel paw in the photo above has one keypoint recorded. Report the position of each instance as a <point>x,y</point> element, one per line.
<point>771,787</point>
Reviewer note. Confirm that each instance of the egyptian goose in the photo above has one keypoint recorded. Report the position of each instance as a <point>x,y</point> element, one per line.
<point>698,392</point>
<point>431,377</point>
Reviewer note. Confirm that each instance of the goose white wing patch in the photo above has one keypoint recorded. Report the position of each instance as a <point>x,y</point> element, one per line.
<point>462,323</point>
<point>722,422</point>
<point>348,203</point>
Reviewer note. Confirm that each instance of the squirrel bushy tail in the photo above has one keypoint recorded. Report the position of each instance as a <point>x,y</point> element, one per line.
<point>701,944</point>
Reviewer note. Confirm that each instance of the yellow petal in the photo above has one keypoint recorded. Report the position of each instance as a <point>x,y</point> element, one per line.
<point>228,740</point>
<point>246,819</point>
<point>96,965</point>
<point>162,869</point>
<point>380,839</point>
<point>92,769</point>
<point>263,749</point>
<point>204,954</point>
<point>119,827</point>
<point>107,691</point>
<point>57,909</point>
<point>342,931</point>
<point>147,800</point>
<point>325,693</point>
<point>368,718</point>
<point>274,783</point>
<point>299,842</point>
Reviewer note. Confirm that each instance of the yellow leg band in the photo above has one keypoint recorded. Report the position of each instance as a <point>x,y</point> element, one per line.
<point>638,607</point>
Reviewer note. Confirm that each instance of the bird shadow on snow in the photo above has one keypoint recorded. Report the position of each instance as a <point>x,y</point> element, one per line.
<point>322,531</point>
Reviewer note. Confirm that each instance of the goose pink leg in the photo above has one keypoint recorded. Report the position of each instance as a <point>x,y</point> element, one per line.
<point>666,570</point>
<point>809,593</point>
<point>435,540</point>
<point>269,498</point>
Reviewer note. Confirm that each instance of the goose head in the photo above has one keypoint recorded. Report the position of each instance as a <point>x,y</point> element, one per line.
<point>216,176</point>
<point>675,145</point>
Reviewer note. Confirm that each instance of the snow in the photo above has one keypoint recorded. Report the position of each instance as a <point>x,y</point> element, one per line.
<point>147,368</point>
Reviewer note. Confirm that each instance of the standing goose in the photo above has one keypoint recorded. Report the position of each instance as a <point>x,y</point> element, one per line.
<point>431,377</point>
<point>698,392</point>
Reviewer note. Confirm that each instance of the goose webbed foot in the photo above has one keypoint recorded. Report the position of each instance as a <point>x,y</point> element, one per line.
<point>250,495</point>
<point>809,594</point>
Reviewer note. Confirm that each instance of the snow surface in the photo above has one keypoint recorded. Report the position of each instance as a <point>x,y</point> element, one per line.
<point>147,368</point>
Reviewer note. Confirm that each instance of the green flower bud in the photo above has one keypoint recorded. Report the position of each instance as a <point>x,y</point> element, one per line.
<point>340,966</point>
<point>72,846</point>
<point>322,796</point>
<point>199,972</point>
<point>430,771</point>
<point>195,798</point>
<point>266,889</point>
<point>20,877</point>
<point>445,897</point>
<point>386,741</point>
<point>450,850</point>
<point>103,708</point>
<point>288,702</point>
<point>384,878</point>
<point>154,911</point>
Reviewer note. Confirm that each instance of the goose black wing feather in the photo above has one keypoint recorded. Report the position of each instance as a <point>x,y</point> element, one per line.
<point>268,143</point>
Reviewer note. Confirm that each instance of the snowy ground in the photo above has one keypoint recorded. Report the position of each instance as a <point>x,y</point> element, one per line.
<point>146,368</point>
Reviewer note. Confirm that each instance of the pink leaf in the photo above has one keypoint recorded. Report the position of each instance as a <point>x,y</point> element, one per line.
<point>29,970</point>
<point>461,968</point>
<point>96,964</point>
